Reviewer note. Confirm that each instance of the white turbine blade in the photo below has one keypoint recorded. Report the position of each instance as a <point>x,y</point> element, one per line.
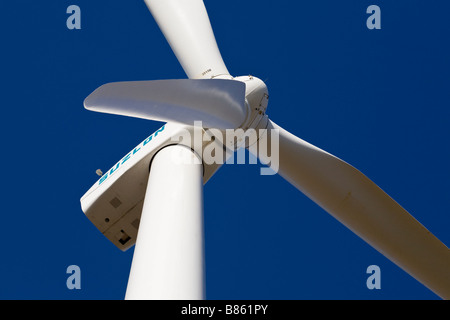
<point>186,26</point>
<point>364,208</point>
<point>217,103</point>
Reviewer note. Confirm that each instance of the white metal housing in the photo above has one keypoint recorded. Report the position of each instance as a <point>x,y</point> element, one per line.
<point>114,203</point>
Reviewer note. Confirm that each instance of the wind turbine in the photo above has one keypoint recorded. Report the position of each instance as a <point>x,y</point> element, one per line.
<point>157,188</point>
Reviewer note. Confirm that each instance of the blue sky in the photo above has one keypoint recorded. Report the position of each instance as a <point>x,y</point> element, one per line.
<point>378,99</point>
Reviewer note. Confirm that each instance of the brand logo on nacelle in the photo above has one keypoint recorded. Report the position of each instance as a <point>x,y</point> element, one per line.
<point>129,155</point>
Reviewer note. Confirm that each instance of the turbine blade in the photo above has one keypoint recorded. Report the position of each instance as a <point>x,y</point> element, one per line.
<point>186,27</point>
<point>358,203</point>
<point>217,103</point>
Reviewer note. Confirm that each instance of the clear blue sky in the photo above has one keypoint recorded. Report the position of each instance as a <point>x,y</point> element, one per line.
<point>378,99</point>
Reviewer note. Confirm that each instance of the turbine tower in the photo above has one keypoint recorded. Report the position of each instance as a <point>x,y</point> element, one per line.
<point>153,196</point>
